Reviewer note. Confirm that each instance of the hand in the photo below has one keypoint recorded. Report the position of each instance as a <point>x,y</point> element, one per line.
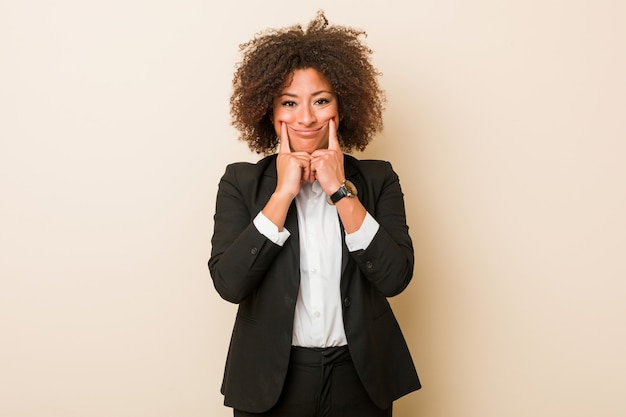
<point>292,167</point>
<point>327,164</point>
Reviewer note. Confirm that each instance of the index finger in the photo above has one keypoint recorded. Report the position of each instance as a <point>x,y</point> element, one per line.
<point>333,141</point>
<point>284,139</point>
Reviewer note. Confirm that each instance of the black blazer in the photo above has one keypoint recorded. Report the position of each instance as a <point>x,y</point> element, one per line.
<point>263,278</point>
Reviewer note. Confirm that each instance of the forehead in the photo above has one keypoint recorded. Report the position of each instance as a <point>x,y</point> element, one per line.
<point>307,80</point>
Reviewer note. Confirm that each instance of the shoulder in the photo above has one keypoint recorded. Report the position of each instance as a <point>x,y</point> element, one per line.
<point>377,164</point>
<point>370,169</point>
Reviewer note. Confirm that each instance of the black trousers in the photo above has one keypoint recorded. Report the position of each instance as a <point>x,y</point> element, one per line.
<point>322,383</point>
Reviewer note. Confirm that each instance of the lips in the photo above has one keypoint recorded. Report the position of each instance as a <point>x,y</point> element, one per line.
<point>306,132</point>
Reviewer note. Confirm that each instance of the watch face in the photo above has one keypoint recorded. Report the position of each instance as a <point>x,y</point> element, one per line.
<point>351,188</point>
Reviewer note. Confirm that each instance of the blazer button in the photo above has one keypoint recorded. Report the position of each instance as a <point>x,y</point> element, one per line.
<point>347,301</point>
<point>369,265</point>
<point>253,251</point>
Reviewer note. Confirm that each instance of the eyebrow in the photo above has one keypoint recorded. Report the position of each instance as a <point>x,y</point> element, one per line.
<point>317,93</point>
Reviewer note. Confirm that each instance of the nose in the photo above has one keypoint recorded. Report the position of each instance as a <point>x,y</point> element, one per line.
<point>306,116</point>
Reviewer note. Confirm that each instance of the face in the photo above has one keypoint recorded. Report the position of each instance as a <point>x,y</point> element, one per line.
<point>306,105</point>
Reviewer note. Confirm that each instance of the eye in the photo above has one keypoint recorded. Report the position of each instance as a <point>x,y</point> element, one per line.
<point>288,103</point>
<point>322,101</point>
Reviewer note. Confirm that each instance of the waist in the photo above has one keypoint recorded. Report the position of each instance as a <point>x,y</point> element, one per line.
<point>319,356</point>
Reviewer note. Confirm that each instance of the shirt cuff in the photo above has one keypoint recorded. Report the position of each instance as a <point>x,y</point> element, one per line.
<point>362,238</point>
<point>270,230</point>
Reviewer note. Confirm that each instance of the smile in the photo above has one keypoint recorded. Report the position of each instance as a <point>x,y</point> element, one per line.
<point>307,132</point>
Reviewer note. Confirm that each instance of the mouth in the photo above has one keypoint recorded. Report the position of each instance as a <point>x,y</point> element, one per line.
<point>307,132</point>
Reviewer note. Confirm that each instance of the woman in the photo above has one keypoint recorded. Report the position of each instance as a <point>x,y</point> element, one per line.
<point>310,241</point>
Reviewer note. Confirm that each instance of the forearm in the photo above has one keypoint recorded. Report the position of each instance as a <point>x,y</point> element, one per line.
<point>351,212</point>
<point>276,209</point>
<point>387,262</point>
<point>239,267</point>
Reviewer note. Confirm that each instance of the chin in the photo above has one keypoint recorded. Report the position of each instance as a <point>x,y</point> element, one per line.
<point>307,146</point>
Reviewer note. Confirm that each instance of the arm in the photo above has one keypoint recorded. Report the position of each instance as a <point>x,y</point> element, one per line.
<point>240,254</point>
<point>388,260</point>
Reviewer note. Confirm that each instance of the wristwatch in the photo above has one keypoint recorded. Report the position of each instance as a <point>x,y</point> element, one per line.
<point>347,189</point>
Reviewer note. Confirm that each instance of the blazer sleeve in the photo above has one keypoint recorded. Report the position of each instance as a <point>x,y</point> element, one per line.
<point>389,259</point>
<point>240,254</point>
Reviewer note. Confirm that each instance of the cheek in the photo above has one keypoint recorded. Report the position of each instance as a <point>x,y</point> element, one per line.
<point>282,115</point>
<point>331,112</point>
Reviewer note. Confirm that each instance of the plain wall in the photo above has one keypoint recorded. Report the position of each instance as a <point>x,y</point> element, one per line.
<point>506,121</point>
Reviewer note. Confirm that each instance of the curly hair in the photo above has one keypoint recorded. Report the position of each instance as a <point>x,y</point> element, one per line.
<point>336,52</point>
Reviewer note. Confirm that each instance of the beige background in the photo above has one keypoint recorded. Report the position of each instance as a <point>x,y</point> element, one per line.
<point>506,122</point>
